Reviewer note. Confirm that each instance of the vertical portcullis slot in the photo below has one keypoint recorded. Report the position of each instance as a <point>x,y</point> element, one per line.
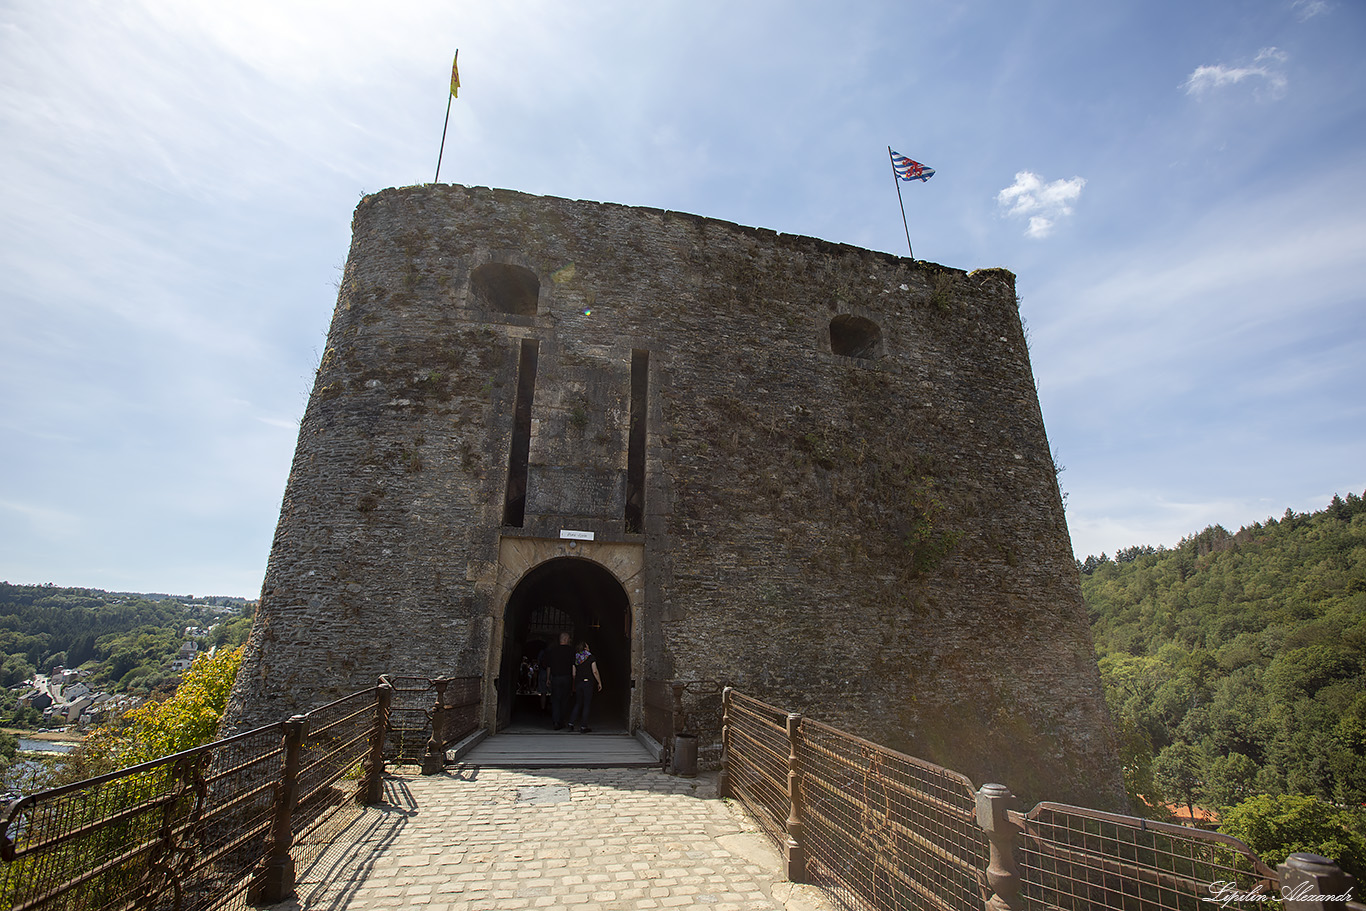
<point>514,502</point>
<point>635,442</point>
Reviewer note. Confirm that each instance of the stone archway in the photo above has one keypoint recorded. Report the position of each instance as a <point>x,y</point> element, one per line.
<point>590,590</point>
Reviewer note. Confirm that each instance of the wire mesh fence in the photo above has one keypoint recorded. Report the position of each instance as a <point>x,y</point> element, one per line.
<point>877,829</point>
<point>184,831</point>
<point>884,830</point>
<point>333,766</point>
<point>233,832</point>
<point>410,718</point>
<point>463,701</point>
<point>756,745</point>
<point>410,721</point>
<point>195,830</point>
<point>1074,859</point>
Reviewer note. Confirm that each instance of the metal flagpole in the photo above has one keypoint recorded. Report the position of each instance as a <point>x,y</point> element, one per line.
<point>442,151</point>
<point>896,180</point>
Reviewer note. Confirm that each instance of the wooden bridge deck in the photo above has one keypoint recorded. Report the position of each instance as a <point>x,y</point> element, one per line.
<point>559,749</point>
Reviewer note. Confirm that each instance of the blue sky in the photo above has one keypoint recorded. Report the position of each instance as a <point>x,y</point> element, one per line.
<point>1180,187</point>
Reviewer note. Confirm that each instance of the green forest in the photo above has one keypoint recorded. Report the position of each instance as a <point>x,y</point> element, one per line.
<point>126,640</point>
<point>1234,665</point>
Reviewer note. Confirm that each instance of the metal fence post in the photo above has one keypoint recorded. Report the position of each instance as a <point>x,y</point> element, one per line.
<point>274,880</point>
<point>723,780</point>
<point>434,759</point>
<point>374,772</point>
<point>796,850</point>
<point>1313,883</point>
<point>1003,873</point>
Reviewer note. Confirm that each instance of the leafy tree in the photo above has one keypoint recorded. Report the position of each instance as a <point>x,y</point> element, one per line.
<point>1276,827</point>
<point>1179,772</point>
<point>186,719</point>
<point>231,633</point>
<point>1349,760</point>
<point>1303,672</point>
<point>1228,780</point>
<point>14,669</point>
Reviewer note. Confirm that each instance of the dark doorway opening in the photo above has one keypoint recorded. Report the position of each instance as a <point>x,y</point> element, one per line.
<point>581,598</point>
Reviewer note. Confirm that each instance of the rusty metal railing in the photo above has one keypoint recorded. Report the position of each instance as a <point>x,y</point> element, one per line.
<point>755,745</point>
<point>185,831</point>
<point>409,718</point>
<point>900,831</point>
<point>660,711</point>
<point>883,831</point>
<point>1073,859</point>
<point>415,701</point>
<point>873,827</point>
<point>334,762</point>
<point>461,707</point>
<point>219,826</point>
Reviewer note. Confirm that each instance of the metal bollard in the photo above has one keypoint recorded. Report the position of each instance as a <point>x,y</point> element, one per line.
<point>685,755</point>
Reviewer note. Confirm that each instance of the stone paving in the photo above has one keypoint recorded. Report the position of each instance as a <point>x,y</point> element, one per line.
<point>474,838</point>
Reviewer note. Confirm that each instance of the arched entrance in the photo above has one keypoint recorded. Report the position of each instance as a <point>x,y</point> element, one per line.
<point>578,596</point>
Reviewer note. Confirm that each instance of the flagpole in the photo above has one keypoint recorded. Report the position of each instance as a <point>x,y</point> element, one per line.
<point>896,181</point>
<point>449,96</point>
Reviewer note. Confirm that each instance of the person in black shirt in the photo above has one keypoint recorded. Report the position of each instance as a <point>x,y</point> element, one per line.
<point>585,676</point>
<point>559,659</point>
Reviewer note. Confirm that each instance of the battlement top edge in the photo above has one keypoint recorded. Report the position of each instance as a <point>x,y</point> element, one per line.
<point>767,234</point>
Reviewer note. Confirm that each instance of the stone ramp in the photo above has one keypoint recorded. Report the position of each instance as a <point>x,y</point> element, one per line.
<point>559,749</point>
<point>479,839</point>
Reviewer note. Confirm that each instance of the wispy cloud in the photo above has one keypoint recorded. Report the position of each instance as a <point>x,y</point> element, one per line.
<point>1042,203</point>
<point>1265,72</point>
<point>44,521</point>
<point>1128,515</point>
<point>1308,9</point>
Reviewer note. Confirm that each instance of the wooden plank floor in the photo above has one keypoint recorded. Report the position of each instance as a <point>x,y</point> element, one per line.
<point>560,749</point>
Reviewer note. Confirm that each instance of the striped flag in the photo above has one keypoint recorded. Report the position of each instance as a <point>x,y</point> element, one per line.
<point>908,169</point>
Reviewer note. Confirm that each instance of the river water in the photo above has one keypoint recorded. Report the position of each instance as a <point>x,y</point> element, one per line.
<point>45,746</point>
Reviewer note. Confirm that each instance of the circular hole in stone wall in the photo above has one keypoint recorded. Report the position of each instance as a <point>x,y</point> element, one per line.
<point>506,288</point>
<point>854,336</point>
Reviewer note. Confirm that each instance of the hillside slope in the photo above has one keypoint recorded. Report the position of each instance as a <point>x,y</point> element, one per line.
<point>1235,663</point>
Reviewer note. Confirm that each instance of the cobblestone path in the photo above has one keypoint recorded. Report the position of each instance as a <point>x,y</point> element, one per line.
<point>474,839</point>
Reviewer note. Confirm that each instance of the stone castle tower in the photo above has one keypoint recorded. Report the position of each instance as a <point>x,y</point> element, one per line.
<point>723,455</point>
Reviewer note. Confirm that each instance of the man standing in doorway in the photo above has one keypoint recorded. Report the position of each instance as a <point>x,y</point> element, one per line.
<point>560,660</point>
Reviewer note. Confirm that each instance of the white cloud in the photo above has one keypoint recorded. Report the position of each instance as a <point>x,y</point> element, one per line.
<point>1265,66</point>
<point>1043,203</point>
<point>1308,9</point>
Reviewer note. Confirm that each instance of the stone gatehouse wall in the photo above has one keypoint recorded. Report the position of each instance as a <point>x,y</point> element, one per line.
<point>832,461</point>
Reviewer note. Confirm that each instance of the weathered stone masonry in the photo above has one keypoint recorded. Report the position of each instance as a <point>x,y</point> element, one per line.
<point>815,472</point>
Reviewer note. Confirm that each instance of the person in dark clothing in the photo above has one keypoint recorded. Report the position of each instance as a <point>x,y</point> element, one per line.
<point>559,660</point>
<point>585,676</point>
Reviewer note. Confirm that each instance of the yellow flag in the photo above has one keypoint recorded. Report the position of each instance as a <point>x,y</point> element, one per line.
<point>455,76</point>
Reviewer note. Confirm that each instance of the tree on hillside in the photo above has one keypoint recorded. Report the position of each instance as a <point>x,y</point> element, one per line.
<point>1228,780</point>
<point>187,719</point>
<point>1179,772</point>
<point>1276,827</point>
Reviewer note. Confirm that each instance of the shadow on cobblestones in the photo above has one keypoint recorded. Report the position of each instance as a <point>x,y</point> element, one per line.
<point>339,870</point>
